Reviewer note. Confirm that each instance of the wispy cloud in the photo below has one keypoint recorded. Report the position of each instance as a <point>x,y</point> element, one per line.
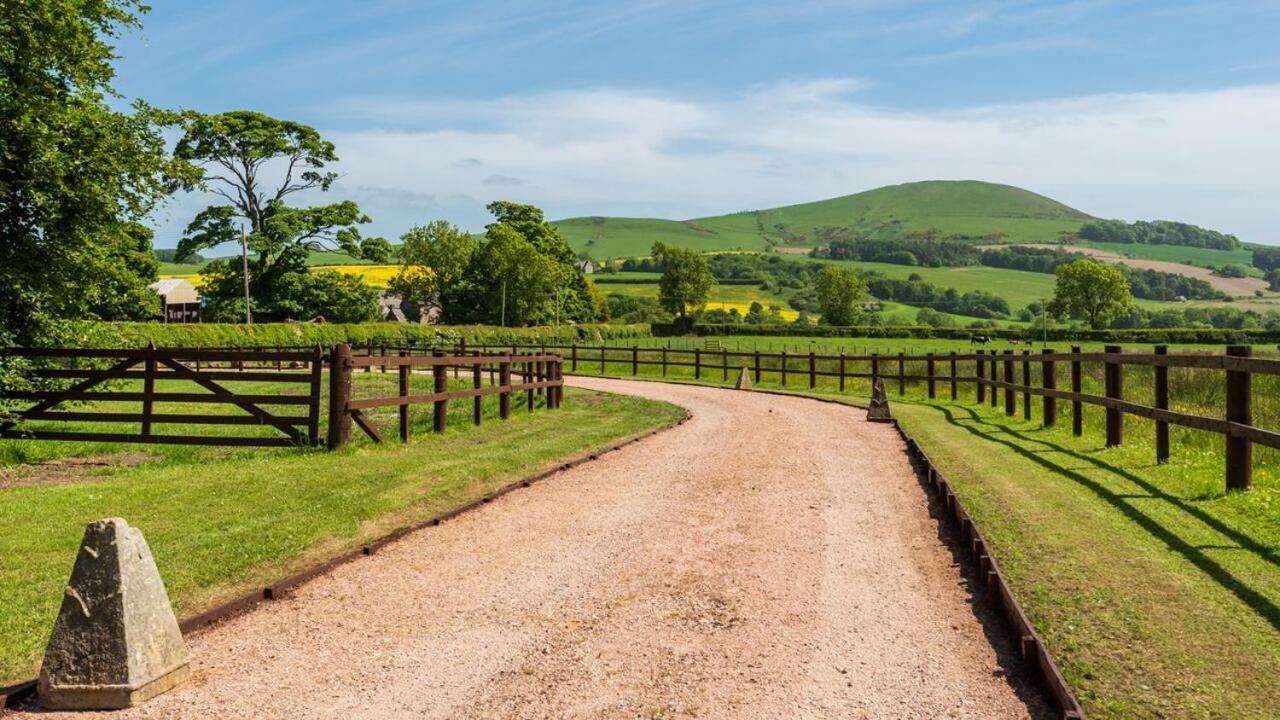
<point>1204,157</point>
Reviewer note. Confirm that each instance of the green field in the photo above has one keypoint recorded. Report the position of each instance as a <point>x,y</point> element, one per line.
<point>1200,257</point>
<point>951,207</point>
<point>223,521</point>
<point>1157,592</point>
<point>1018,287</point>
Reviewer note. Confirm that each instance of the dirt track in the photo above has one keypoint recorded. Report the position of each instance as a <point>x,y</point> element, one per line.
<point>771,558</point>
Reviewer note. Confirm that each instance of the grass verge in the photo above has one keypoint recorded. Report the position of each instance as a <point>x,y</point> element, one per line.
<point>221,525</point>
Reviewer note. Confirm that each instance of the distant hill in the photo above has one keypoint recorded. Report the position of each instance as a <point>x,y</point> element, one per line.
<point>966,207</point>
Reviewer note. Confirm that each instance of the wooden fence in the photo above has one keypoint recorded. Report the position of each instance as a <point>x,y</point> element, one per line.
<point>91,382</point>
<point>70,376</point>
<point>538,374</point>
<point>992,374</point>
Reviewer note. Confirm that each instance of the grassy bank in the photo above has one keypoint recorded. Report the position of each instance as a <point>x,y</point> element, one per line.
<point>1158,593</point>
<point>223,521</point>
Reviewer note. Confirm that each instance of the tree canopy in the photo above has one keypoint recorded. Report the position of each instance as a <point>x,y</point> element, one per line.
<point>686,280</point>
<point>1091,291</point>
<point>839,290</point>
<point>255,163</point>
<point>76,175</point>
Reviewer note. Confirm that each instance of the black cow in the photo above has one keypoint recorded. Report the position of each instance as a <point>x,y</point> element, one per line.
<point>978,340</point>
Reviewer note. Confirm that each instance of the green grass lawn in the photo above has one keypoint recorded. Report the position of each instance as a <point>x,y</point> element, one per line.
<point>1157,592</point>
<point>221,522</point>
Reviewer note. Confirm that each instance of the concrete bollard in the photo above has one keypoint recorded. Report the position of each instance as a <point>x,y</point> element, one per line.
<point>878,410</point>
<point>744,381</point>
<point>116,642</point>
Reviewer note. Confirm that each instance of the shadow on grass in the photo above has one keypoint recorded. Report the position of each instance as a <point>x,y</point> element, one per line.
<point>995,627</point>
<point>1256,601</point>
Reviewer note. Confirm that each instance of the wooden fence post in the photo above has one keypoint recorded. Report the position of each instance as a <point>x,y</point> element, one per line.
<point>1050,382</point>
<point>313,412</point>
<point>813,371</point>
<point>783,360</point>
<point>528,380</point>
<point>664,362</point>
<point>369,368</point>
<point>955,393</point>
<point>928,371</point>
<point>635,360</point>
<point>574,355</point>
<point>1026,384</point>
<point>149,388</point>
<point>697,363</point>
<point>504,382</point>
<point>757,353</point>
<point>1114,375</point>
<point>1239,410</point>
<point>441,414</point>
<point>980,372</point>
<point>404,392</point>
<point>841,371</point>
<point>724,365</point>
<point>902,373</point>
<point>1010,396</point>
<point>1162,403</point>
<point>477,380</point>
<point>1077,384</point>
<point>995,376</point>
<point>339,396</point>
<point>603,364</point>
<point>875,369</point>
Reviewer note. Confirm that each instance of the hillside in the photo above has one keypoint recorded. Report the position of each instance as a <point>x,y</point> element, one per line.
<point>968,207</point>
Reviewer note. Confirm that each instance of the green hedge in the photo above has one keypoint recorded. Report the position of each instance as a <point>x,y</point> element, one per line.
<point>1177,335</point>
<point>213,335</point>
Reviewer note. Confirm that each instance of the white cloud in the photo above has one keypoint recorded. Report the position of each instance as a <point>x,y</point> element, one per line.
<point>1204,157</point>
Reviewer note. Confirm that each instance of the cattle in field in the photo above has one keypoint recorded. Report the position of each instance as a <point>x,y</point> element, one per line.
<point>980,340</point>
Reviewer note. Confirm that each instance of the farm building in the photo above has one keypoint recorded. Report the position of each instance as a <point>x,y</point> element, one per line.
<point>181,300</point>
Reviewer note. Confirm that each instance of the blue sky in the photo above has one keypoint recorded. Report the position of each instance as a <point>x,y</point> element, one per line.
<point>679,109</point>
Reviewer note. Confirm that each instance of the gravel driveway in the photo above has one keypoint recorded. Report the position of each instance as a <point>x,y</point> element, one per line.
<point>771,558</point>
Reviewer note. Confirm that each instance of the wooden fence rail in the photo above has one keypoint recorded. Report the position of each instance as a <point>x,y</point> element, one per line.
<point>1026,374</point>
<point>540,374</point>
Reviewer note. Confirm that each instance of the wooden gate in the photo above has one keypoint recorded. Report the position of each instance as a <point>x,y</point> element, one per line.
<point>70,376</point>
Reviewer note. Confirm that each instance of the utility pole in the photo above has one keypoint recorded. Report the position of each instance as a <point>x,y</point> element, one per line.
<point>244,264</point>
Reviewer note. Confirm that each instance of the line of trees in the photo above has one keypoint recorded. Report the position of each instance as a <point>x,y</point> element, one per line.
<point>1157,232</point>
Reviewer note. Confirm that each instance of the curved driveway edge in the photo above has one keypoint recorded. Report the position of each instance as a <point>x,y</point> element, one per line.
<point>772,557</point>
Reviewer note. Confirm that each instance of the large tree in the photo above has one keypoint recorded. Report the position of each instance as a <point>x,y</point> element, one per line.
<point>1091,291</point>
<point>433,262</point>
<point>76,175</point>
<point>255,163</point>
<point>686,280</point>
<point>839,290</point>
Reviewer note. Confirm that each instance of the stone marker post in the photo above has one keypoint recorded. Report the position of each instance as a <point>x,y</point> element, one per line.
<point>878,410</point>
<point>744,381</point>
<point>116,642</point>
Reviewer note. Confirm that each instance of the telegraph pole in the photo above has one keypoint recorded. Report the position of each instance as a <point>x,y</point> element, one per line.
<point>244,264</point>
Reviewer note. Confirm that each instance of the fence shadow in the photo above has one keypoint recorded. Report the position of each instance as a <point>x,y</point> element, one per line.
<point>1255,600</point>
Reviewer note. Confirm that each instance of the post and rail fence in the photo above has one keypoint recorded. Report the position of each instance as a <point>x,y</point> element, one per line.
<point>89,377</point>
<point>994,373</point>
<point>539,370</point>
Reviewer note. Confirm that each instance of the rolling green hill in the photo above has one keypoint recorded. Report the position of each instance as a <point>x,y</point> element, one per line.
<point>968,207</point>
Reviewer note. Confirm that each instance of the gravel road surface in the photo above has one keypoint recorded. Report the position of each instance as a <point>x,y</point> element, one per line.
<point>771,558</point>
